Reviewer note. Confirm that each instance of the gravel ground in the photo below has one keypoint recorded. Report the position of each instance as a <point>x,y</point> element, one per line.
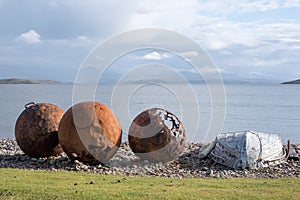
<point>126,163</point>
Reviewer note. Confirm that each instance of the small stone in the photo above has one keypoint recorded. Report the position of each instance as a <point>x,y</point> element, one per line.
<point>204,168</point>
<point>41,160</point>
<point>85,167</point>
<point>52,161</point>
<point>123,164</point>
<point>77,162</point>
<point>210,172</point>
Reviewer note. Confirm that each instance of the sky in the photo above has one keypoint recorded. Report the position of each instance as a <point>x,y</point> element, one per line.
<point>50,39</point>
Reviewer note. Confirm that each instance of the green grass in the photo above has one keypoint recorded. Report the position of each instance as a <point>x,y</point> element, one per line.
<point>29,184</point>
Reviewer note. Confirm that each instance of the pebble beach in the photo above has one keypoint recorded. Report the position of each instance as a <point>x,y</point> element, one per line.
<point>188,164</point>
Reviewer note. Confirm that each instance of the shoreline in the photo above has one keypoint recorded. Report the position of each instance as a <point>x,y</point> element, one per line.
<point>188,164</point>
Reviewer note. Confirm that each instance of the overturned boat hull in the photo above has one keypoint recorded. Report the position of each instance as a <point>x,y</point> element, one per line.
<point>248,149</point>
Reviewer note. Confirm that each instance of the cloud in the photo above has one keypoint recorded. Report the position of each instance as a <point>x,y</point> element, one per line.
<point>216,45</point>
<point>156,56</point>
<point>271,62</point>
<point>225,53</point>
<point>152,56</point>
<point>30,37</point>
<point>211,70</point>
<point>240,36</point>
<point>82,37</point>
<point>262,5</point>
<point>189,54</point>
<point>216,24</point>
<point>256,74</point>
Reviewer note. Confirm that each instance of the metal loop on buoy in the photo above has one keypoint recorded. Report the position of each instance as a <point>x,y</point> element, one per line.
<point>27,105</point>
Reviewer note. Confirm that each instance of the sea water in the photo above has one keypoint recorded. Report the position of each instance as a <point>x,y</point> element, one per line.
<point>271,108</point>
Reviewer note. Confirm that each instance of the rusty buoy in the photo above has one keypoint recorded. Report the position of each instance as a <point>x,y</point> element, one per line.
<point>90,132</point>
<point>36,130</point>
<point>157,135</point>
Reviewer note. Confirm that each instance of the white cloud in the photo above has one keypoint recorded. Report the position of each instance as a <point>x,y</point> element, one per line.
<point>156,56</point>
<point>153,56</point>
<point>262,5</point>
<point>272,62</point>
<point>291,3</point>
<point>225,53</point>
<point>30,37</point>
<point>256,74</point>
<point>266,5</point>
<point>189,54</point>
<point>225,8</point>
<point>237,34</point>
<point>216,45</point>
<point>211,70</point>
<point>82,37</point>
<point>210,22</point>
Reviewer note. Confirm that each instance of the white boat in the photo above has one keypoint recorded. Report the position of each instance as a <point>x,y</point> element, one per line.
<point>248,149</point>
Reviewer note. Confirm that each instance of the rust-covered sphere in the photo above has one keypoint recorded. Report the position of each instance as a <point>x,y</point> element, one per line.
<point>157,135</point>
<point>90,132</point>
<point>36,130</point>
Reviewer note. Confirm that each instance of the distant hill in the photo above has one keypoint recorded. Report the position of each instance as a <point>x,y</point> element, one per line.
<point>292,82</point>
<point>27,81</point>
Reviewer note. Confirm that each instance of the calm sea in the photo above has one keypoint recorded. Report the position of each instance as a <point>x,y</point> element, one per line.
<point>272,108</point>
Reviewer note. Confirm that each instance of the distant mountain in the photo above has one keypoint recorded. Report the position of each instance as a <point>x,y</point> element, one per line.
<point>292,82</point>
<point>27,81</point>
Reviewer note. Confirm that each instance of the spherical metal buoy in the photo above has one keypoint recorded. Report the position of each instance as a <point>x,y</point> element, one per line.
<point>157,135</point>
<point>36,130</point>
<point>90,132</point>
